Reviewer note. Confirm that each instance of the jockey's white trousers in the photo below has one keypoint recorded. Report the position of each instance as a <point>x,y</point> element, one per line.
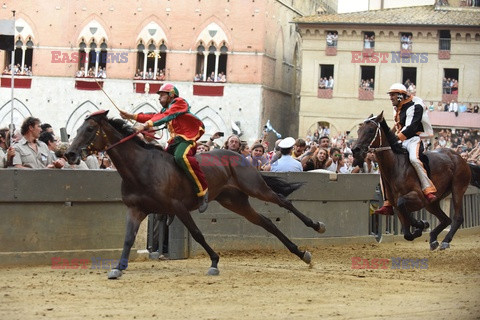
<point>413,146</point>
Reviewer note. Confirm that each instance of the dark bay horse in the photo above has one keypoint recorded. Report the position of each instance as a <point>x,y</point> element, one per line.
<point>448,171</point>
<point>152,183</point>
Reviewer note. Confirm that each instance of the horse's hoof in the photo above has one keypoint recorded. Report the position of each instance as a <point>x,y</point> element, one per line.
<point>434,245</point>
<point>114,274</point>
<point>307,257</point>
<point>445,245</point>
<point>213,271</point>
<point>426,225</point>
<point>321,227</point>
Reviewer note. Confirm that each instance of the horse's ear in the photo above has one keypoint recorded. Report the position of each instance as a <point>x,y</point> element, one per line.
<point>96,113</point>
<point>379,117</point>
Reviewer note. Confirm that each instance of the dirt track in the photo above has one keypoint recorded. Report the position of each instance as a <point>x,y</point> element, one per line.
<point>259,285</point>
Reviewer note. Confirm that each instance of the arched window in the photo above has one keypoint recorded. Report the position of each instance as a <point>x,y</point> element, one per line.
<point>23,57</point>
<point>211,64</point>
<point>82,60</point>
<point>151,61</point>
<point>199,70</point>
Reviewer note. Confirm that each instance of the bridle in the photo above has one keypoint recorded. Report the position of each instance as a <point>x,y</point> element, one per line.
<point>377,134</point>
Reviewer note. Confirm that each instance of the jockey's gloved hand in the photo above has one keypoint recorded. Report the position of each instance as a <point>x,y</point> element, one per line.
<point>397,147</point>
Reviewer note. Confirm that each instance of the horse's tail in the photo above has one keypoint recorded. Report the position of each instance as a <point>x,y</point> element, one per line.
<point>280,185</point>
<point>475,180</point>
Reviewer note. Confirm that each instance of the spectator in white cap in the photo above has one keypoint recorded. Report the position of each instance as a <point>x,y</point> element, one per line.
<point>286,163</point>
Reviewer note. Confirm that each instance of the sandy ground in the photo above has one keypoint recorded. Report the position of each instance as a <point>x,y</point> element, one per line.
<point>259,285</point>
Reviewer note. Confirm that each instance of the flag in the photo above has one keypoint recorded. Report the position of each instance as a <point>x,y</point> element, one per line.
<point>7,35</point>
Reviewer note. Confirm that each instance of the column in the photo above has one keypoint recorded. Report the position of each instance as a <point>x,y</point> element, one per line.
<point>217,57</point>
<point>24,49</point>
<point>145,57</point>
<point>97,58</point>
<point>205,59</point>
<point>87,57</point>
<point>157,54</point>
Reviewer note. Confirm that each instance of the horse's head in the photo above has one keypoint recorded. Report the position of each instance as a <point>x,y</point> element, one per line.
<point>369,135</point>
<point>90,137</point>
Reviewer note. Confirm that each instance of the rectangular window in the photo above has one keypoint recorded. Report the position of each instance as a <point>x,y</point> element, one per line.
<point>406,41</point>
<point>332,37</point>
<point>367,81</point>
<point>326,76</point>
<point>444,39</point>
<point>368,40</point>
<point>409,79</point>
<point>450,81</point>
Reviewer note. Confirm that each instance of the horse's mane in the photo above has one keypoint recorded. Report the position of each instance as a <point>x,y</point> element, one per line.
<point>125,129</point>
<point>388,132</point>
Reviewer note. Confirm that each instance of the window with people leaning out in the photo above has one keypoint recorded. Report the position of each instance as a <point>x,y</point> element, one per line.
<point>151,61</point>
<point>326,77</point>
<point>211,64</point>
<point>406,41</point>
<point>368,40</point>
<point>367,81</point>
<point>22,60</point>
<point>332,37</point>
<point>450,81</point>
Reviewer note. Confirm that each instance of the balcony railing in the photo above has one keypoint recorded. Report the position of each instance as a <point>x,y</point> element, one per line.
<point>365,94</point>
<point>325,93</point>
<point>19,82</point>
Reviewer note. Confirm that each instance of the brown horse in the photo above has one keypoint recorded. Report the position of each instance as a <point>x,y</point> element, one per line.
<point>448,171</point>
<point>152,183</point>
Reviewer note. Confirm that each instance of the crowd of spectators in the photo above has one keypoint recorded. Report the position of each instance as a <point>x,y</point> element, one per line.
<point>150,75</point>
<point>332,38</point>
<point>369,42</point>
<point>90,73</point>
<point>454,106</point>
<point>367,84</point>
<point>221,77</point>
<point>406,42</point>
<point>36,146</point>
<point>325,83</point>
<point>450,86</point>
<point>18,70</point>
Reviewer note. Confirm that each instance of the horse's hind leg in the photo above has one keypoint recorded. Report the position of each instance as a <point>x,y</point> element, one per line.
<point>435,209</point>
<point>457,198</point>
<point>279,199</point>
<point>134,218</point>
<point>237,201</point>
<point>197,235</point>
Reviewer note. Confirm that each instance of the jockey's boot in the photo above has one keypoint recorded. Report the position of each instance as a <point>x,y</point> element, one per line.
<point>385,210</point>
<point>203,202</point>
<point>431,197</point>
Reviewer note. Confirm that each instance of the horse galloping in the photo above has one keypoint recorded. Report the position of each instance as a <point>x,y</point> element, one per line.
<point>152,183</point>
<point>449,172</point>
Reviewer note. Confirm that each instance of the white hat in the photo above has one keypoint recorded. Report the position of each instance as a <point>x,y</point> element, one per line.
<point>397,87</point>
<point>286,143</point>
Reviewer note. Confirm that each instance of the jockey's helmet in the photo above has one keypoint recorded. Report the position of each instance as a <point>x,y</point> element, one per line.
<point>170,89</point>
<point>398,88</point>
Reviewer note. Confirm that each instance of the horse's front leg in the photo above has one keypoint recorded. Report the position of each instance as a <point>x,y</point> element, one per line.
<point>134,218</point>
<point>406,204</point>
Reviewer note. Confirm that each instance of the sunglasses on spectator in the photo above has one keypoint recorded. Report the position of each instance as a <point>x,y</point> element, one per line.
<point>337,155</point>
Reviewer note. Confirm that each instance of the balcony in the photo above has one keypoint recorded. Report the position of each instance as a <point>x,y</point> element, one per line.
<point>365,94</point>
<point>325,93</point>
<point>147,86</point>
<point>19,82</point>
<point>89,84</point>
<point>208,89</point>
<point>464,120</point>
